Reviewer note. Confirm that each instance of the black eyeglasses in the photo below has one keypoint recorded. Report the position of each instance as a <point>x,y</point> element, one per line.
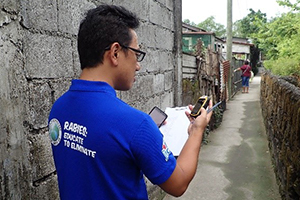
<point>140,55</point>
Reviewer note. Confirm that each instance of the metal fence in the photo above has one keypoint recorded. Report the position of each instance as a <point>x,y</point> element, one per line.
<point>236,77</point>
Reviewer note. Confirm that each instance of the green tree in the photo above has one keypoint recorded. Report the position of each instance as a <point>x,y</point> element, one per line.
<point>249,24</point>
<point>210,25</point>
<point>187,21</point>
<point>288,3</point>
<point>275,37</point>
<point>280,40</point>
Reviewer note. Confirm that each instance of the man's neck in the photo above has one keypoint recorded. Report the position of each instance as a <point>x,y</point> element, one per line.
<point>99,73</point>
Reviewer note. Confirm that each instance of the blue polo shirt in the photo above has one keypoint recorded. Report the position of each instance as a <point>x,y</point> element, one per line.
<point>102,147</point>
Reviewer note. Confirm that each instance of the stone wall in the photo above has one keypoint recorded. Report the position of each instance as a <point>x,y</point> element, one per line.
<point>280,102</point>
<point>39,59</point>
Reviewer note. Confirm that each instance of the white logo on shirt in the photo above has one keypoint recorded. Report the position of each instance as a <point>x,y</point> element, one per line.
<point>55,132</point>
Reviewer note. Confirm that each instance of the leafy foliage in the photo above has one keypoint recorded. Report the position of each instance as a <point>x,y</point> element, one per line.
<point>288,3</point>
<point>249,24</point>
<point>210,25</point>
<point>187,21</point>
<point>283,66</point>
<point>280,41</point>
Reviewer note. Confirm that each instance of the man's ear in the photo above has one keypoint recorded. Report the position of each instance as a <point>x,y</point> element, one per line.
<point>115,49</point>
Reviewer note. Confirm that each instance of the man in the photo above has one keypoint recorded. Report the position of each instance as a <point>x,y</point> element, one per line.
<point>102,147</point>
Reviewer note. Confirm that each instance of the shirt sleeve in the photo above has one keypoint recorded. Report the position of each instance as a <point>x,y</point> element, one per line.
<point>151,153</point>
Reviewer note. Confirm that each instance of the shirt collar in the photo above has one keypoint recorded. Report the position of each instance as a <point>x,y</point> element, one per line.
<point>91,86</point>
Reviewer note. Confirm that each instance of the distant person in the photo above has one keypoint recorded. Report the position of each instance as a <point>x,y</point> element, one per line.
<point>102,147</point>
<point>246,74</point>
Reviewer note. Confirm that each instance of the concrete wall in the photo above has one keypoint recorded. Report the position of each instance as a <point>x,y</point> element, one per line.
<point>39,58</point>
<point>280,102</point>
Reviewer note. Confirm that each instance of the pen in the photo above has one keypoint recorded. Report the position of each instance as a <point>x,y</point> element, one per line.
<point>211,109</point>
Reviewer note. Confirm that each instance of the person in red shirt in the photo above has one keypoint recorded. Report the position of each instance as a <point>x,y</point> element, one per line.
<point>246,74</point>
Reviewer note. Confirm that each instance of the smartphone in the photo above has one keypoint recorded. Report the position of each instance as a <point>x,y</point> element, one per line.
<point>203,101</point>
<point>158,116</point>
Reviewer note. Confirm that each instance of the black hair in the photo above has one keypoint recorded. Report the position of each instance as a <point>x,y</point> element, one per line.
<point>246,62</point>
<point>101,27</point>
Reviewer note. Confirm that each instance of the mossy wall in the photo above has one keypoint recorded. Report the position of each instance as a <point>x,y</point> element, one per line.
<point>191,91</point>
<point>280,102</point>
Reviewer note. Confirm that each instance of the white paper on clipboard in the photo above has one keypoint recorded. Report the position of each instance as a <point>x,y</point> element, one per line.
<point>175,130</point>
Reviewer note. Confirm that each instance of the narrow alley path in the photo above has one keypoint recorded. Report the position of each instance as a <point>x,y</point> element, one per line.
<point>236,163</point>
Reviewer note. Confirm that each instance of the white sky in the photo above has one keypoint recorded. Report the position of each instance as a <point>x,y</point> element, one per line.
<point>199,10</point>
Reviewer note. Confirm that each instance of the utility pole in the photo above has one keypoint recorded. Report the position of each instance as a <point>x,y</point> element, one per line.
<point>229,44</point>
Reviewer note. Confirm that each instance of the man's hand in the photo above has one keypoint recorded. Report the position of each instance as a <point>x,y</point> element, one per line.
<point>201,121</point>
<point>187,161</point>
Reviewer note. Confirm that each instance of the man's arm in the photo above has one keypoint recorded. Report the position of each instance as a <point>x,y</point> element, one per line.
<point>187,161</point>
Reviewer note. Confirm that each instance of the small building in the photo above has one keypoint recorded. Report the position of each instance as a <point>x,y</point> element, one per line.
<point>240,48</point>
<point>191,35</point>
<point>189,28</point>
<point>209,39</point>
